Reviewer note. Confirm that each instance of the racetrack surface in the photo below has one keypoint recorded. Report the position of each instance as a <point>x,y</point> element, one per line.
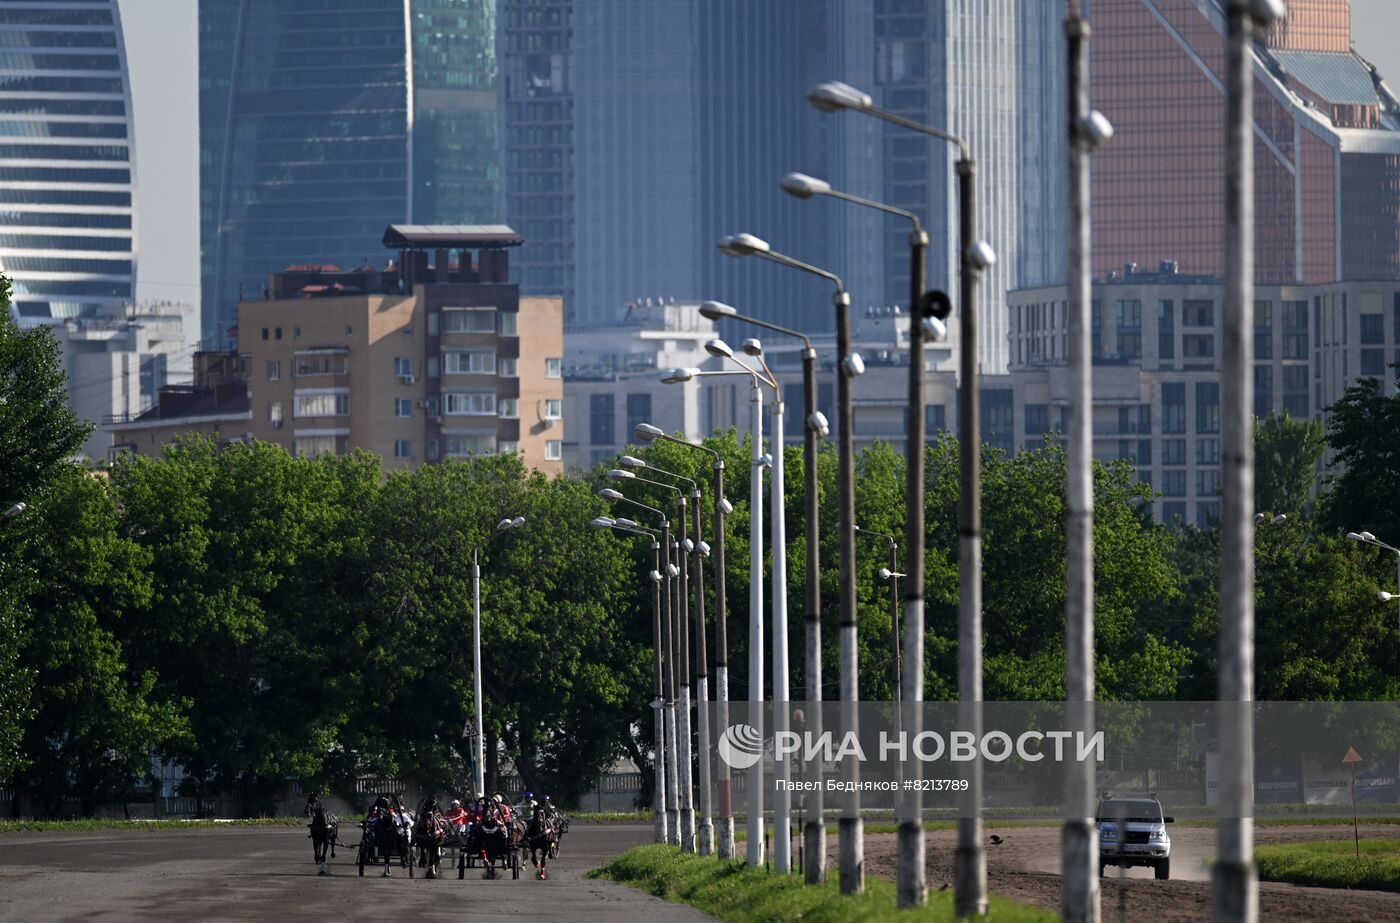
<point>266,873</point>
<point>1025,867</point>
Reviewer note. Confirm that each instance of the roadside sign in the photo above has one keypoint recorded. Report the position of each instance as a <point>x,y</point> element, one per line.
<point>1352,756</point>
<point>1351,759</point>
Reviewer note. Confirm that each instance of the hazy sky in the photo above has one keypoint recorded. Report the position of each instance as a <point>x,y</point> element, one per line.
<point>162,49</point>
<point>162,55</point>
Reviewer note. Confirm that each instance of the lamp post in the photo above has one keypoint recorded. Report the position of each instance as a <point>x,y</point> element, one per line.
<point>679,629</point>
<point>754,850</point>
<point>1234,882</point>
<point>1087,130</point>
<point>15,510</point>
<point>724,844</point>
<point>850,831</point>
<point>479,750</point>
<point>815,428</point>
<point>698,550</point>
<point>1366,538</point>
<point>668,573</point>
<point>970,871</point>
<point>782,807</point>
<point>658,803</point>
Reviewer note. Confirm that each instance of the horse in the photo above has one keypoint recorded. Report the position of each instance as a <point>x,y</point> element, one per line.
<point>539,837</point>
<point>490,839</point>
<point>428,836</point>
<point>560,821</point>
<point>325,830</point>
<point>389,827</point>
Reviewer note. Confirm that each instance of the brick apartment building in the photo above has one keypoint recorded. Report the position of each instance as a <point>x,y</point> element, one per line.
<point>436,356</point>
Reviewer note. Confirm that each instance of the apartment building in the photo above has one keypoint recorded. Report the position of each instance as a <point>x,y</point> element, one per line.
<point>1156,339</point>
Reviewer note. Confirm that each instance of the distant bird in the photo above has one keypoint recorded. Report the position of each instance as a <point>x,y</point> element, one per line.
<point>996,840</point>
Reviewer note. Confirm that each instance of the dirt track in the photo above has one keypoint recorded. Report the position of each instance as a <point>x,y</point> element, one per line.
<point>267,874</point>
<point>1025,867</point>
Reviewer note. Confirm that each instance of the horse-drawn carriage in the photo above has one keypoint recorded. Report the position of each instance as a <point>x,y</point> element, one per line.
<point>386,835</point>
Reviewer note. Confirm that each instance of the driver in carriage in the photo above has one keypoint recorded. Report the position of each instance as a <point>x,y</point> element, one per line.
<point>456,817</point>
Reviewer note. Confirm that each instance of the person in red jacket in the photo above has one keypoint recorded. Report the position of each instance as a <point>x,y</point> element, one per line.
<point>456,817</point>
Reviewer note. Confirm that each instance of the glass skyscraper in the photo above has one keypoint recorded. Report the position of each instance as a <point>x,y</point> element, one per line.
<point>324,121</point>
<point>67,243</point>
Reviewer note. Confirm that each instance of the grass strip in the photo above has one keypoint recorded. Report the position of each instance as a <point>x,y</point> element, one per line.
<point>1333,864</point>
<point>729,891</point>
<point>89,825</point>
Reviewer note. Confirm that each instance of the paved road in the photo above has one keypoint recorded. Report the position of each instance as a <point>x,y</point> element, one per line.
<point>267,874</point>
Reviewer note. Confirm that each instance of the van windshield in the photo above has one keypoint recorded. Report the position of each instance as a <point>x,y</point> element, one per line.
<point>1138,812</point>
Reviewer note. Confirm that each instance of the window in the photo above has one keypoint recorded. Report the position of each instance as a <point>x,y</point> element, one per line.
<point>314,446</point>
<point>1295,391</point>
<point>554,368</point>
<point>1173,451</point>
<point>1207,515</point>
<point>507,321</point>
<point>1174,407</point>
<point>1198,346</point>
<point>274,370</point>
<point>403,407</point>
<point>553,449</point>
<point>1174,482</point>
<point>469,404</point>
<point>602,419</point>
<point>1129,317</point>
<point>277,333</point>
<point>328,404</point>
<point>296,333</point>
<point>462,444</point>
<point>1144,452</point>
<point>431,366</point>
<point>407,331</point>
<point>1037,419</point>
<point>307,366</point>
<point>1372,329</point>
<point>1166,330</point>
<point>1095,329</point>
<point>638,411</point>
<point>935,420</point>
<point>403,366</point>
<point>998,424</point>
<point>470,362</point>
<point>553,408</point>
<point>432,450</point>
<point>274,411</point>
<point>1263,329</point>
<point>506,368</point>
<point>1295,330</point>
<point>1263,390</point>
<point>264,333</point>
<point>1372,362</point>
<point>1207,451</point>
<point>1207,407</point>
<point>468,320</point>
<point>1207,482</point>
<point>1198,313</point>
<point>403,448</point>
<point>508,446</point>
<point>1173,512</point>
<point>510,408</point>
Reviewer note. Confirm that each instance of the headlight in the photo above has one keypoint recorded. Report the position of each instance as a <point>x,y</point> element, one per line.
<point>1158,835</point>
<point>1106,830</point>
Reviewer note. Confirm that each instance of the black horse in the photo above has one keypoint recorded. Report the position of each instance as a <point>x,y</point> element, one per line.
<point>539,837</point>
<point>387,833</point>
<point>428,835</point>
<point>490,840</point>
<point>325,830</point>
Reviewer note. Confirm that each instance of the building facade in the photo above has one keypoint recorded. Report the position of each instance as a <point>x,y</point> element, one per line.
<point>66,188</point>
<point>1156,343</point>
<point>1326,155</point>
<point>423,362</point>
<point>321,122</point>
<point>214,405</point>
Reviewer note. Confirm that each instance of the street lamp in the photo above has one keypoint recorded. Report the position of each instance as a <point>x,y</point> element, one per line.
<point>754,850</point>
<point>658,802</point>
<point>668,645</point>
<point>1366,538</point>
<point>782,814</point>
<point>479,755</point>
<point>722,507</point>
<point>15,510</point>
<point>679,631</point>
<point>970,872</point>
<point>698,551</point>
<point>816,428</point>
<point>852,847</point>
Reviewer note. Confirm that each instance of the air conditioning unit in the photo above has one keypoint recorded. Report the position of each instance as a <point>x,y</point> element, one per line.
<point>408,379</point>
<point>276,424</point>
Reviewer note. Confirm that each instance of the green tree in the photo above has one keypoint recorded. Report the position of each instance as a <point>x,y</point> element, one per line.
<point>1363,492</point>
<point>95,720</point>
<point>1287,454</point>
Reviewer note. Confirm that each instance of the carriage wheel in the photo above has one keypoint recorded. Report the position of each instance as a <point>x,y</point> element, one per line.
<point>461,864</point>
<point>410,861</point>
<point>514,864</point>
